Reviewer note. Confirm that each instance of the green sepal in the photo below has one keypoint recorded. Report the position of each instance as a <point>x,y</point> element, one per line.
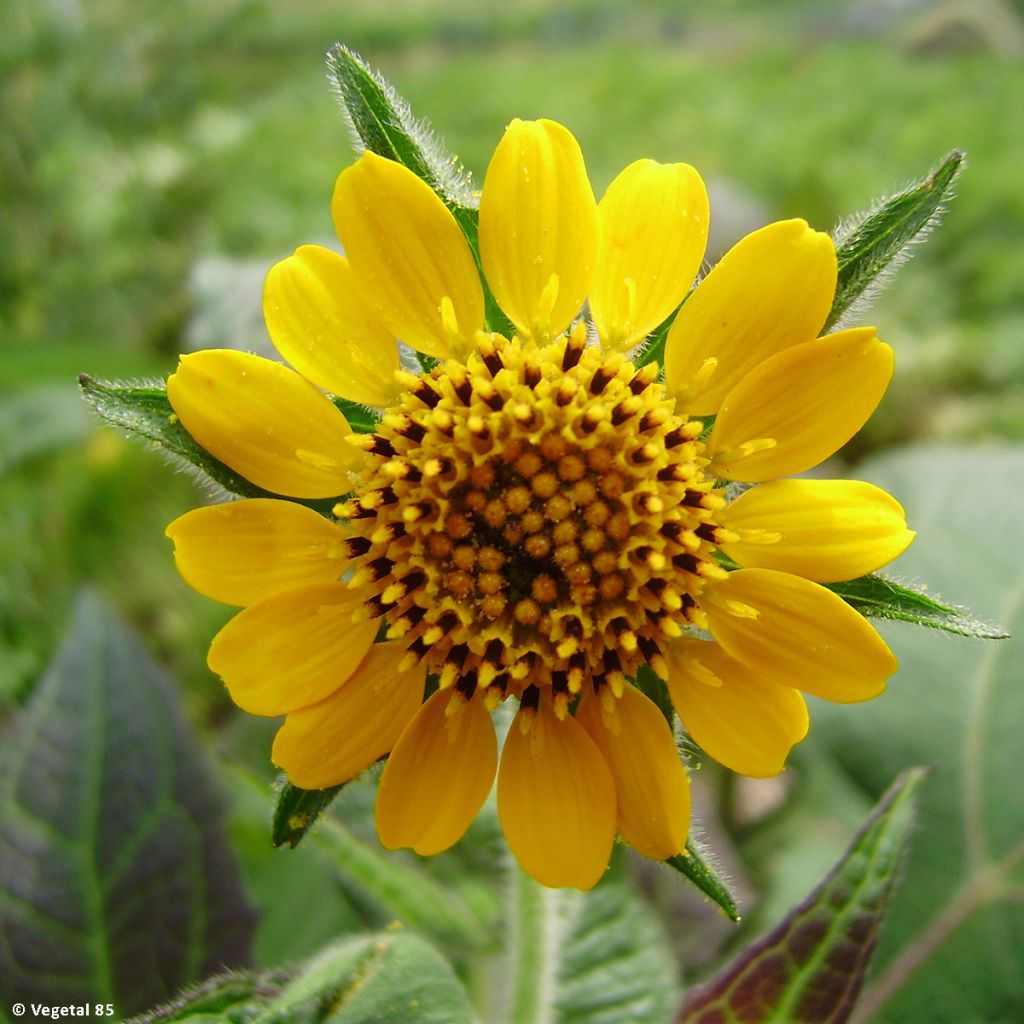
<point>382,122</point>
<point>656,690</point>
<point>876,242</point>
<point>412,896</point>
<point>695,866</point>
<point>359,417</point>
<point>653,350</point>
<point>877,596</point>
<point>297,810</point>
<point>142,409</point>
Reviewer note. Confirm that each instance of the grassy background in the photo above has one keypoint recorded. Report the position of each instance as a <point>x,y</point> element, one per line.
<point>156,158</point>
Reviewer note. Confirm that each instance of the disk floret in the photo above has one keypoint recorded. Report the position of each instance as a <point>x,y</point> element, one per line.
<point>536,516</point>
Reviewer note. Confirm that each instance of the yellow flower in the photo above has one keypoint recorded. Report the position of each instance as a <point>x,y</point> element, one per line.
<point>536,517</point>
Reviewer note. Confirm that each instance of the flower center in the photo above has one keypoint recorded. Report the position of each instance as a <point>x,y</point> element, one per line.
<point>537,515</point>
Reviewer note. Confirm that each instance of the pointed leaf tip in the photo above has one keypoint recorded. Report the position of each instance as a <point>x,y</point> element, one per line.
<point>141,408</point>
<point>297,810</point>
<point>878,596</point>
<point>873,244</point>
<point>694,866</point>
<point>382,122</point>
<point>809,969</point>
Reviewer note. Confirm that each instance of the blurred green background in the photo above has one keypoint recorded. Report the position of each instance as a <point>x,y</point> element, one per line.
<point>156,158</point>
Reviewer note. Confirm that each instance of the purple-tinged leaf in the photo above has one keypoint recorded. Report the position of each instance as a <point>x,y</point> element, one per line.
<point>810,968</point>
<point>116,882</point>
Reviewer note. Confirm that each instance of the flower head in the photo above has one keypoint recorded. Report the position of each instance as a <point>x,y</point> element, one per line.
<point>536,516</point>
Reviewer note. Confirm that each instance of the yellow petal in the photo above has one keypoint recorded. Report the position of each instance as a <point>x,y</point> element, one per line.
<point>438,775</point>
<point>333,741</point>
<point>654,227</point>
<point>556,800</point>
<point>320,322</point>
<point>798,633</point>
<point>809,400</point>
<point>825,530</point>
<point>771,290</point>
<point>743,718</point>
<point>265,422</point>
<point>409,256</point>
<point>244,551</point>
<point>651,786</point>
<point>292,649</point>
<point>538,226</point>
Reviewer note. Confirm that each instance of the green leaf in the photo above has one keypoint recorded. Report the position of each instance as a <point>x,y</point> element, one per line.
<point>297,810</point>
<point>656,690</point>
<point>694,865</point>
<point>395,977</point>
<point>873,244</point>
<point>697,868</point>
<point>617,963</point>
<point>360,419</point>
<point>654,350</point>
<point>301,905</point>
<point>878,596</point>
<point>809,969</point>
<point>143,410</point>
<point>599,957</point>
<point>382,122</point>
<point>117,885</point>
<point>237,997</point>
<point>956,927</point>
<point>408,893</point>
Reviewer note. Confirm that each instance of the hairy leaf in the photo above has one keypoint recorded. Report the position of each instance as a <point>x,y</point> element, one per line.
<point>395,977</point>
<point>698,869</point>
<point>656,690</point>
<point>382,122</point>
<point>875,243</point>
<point>143,410</point>
<point>116,884</point>
<point>297,810</point>
<point>694,865</point>
<point>599,957</point>
<point>616,961</point>
<point>809,969</point>
<point>880,597</point>
<point>360,419</point>
<point>654,349</point>
<point>233,998</point>
<point>408,893</point>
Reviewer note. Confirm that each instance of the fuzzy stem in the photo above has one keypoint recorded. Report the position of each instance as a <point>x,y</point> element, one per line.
<point>534,919</point>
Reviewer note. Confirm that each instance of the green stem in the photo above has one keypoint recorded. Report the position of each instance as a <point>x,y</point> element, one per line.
<point>534,919</point>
